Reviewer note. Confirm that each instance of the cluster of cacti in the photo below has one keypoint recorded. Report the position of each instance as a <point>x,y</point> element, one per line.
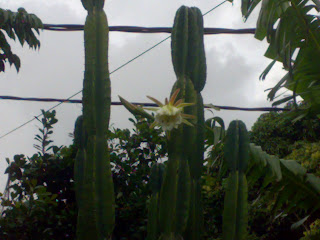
<point>175,210</point>
<point>94,187</point>
<point>237,153</point>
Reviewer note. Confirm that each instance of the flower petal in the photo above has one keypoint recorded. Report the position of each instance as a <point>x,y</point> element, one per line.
<point>156,101</point>
<point>187,122</point>
<point>188,116</point>
<point>178,102</point>
<point>174,96</point>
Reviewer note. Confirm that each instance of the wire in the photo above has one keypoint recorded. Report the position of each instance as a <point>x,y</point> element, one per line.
<point>268,109</point>
<point>22,125</point>
<point>136,29</point>
<point>123,65</point>
<point>215,7</point>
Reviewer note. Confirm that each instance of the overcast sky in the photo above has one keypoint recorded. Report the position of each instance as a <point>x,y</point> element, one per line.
<point>234,63</point>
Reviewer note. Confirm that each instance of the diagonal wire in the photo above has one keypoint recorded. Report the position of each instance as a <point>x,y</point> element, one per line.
<point>117,69</point>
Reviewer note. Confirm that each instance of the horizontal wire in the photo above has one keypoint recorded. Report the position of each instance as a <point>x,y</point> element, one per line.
<point>136,29</point>
<point>262,109</point>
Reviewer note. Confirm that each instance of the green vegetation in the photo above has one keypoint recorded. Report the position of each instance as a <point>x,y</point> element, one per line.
<point>276,133</point>
<point>17,25</point>
<point>40,191</point>
<point>292,30</point>
<point>308,155</point>
<point>41,188</point>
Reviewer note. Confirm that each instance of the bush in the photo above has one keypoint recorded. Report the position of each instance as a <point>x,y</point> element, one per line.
<point>40,190</point>
<point>314,232</point>
<point>275,133</point>
<point>308,155</point>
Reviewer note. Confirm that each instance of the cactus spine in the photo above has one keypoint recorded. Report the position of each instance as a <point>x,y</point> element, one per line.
<point>99,204</point>
<point>180,209</point>
<point>236,151</point>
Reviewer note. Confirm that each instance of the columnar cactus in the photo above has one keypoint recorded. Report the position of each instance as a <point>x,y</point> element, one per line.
<point>96,196</point>
<point>180,198</point>
<point>83,177</point>
<point>155,183</point>
<point>236,152</point>
<point>178,205</point>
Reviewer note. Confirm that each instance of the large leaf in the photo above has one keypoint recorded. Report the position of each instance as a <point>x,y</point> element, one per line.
<point>288,182</point>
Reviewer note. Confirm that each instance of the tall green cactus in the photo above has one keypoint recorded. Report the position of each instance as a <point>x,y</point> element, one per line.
<point>189,61</point>
<point>236,152</point>
<point>99,191</point>
<point>83,176</point>
<point>180,198</point>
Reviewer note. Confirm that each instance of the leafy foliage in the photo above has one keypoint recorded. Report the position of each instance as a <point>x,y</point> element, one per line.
<point>17,25</point>
<point>263,222</point>
<point>314,232</point>
<point>292,32</point>
<point>287,191</point>
<point>291,184</point>
<point>40,192</point>
<point>47,121</point>
<point>132,155</point>
<point>49,178</point>
<point>41,188</point>
<point>308,155</point>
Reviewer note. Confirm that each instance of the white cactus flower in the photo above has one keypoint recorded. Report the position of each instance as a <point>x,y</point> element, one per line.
<point>170,115</point>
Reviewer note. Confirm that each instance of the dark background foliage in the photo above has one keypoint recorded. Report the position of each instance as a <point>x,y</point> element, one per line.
<point>276,133</point>
<point>51,175</point>
<point>40,189</point>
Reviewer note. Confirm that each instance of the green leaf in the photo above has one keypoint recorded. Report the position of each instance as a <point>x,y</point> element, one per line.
<point>281,101</point>
<point>299,223</point>
<point>290,181</point>
<point>267,70</point>
<point>275,89</point>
